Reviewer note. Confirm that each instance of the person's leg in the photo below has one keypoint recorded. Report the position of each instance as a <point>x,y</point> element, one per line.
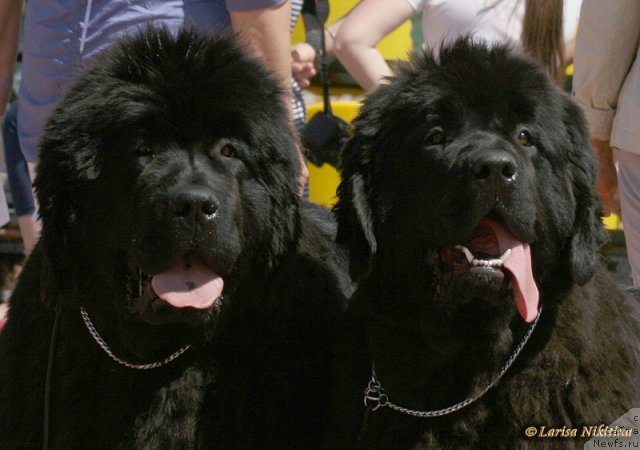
<point>629,190</point>
<point>30,232</point>
<point>20,181</point>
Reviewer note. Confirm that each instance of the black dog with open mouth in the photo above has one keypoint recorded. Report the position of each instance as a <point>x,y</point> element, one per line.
<point>468,207</point>
<point>180,295</point>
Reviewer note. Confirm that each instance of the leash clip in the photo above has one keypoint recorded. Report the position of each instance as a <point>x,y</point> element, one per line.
<point>374,395</point>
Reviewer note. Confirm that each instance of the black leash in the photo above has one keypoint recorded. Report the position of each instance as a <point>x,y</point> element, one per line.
<point>324,134</point>
<point>315,14</point>
<point>48,380</point>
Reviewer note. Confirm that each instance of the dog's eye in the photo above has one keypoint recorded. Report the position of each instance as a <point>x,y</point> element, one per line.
<point>143,150</point>
<point>436,137</point>
<point>524,138</point>
<point>228,151</point>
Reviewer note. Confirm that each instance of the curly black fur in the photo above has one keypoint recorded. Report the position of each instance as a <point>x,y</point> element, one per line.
<point>411,188</point>
<point>156,119</point>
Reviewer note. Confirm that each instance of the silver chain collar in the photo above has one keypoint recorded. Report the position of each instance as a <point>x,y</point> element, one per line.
<point>375,397</point>
<point>103,345</point>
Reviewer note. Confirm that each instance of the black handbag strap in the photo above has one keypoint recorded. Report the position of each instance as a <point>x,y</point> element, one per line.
<point>315,14</point>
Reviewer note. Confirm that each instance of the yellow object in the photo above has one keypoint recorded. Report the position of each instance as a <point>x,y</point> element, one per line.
<point>323,181</point>
<point>569,70</point>
<point>612,222</point>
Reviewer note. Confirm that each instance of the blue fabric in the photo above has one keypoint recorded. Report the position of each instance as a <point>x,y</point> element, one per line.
<point>19,181</point>
<point>248,5</point>
<point>61,35</point>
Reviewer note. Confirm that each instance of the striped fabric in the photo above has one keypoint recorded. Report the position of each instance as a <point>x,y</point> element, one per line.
<point>299,109</point>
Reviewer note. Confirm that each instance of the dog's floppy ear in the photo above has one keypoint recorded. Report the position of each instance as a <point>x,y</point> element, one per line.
<point>589,233</point>
<point>353,209</point>
<point>68,163</point>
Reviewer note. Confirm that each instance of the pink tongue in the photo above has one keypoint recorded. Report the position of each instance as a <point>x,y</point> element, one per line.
<point>188,285</point>
<point>519,264</point>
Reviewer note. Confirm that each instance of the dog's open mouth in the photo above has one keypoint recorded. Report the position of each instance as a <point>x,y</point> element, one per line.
<point>488,255</point>
<point>188,286</point>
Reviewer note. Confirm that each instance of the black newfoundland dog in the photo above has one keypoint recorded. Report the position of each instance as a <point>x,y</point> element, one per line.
<point>179,297</point>
<point>467,202</point>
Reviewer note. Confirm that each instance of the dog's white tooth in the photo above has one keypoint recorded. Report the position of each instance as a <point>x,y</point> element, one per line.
<point>466,252</point>
<point>486,262</point>
<point>505,255</point>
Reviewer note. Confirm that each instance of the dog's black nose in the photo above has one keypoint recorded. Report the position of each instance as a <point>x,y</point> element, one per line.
<point>194,204</point>
<point>495,168</point>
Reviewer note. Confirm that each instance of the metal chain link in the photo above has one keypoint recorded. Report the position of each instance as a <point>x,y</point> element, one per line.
<point>375,397</point>
<point>103,345</point>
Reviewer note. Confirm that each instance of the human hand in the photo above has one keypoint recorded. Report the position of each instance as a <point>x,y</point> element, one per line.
<point>303,66</point>
<point>6,85</point>
<point>607,178</point>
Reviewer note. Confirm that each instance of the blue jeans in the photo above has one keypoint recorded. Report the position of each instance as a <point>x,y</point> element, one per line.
<point>19,181</point>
